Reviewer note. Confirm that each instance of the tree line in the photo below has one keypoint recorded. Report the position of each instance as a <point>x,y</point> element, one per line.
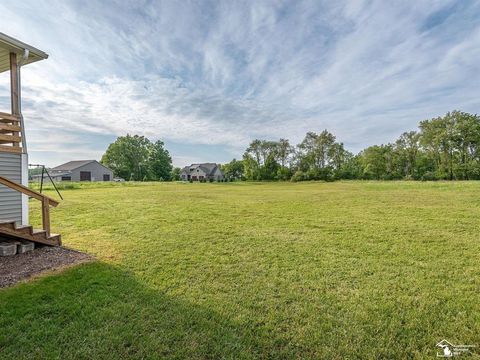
<point>443,148</point>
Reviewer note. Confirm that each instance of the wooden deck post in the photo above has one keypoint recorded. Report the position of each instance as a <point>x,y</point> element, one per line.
<point>46,215</point>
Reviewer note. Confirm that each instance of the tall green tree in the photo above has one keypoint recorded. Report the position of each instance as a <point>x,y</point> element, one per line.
<point>251,167</point>
<point>234,169</point>
<point>438,138</point>
<point>377,162</point>
<point>136,158</point>
<point>453,143</point>
<point>175,174</point>
<point>339,157</point>
<point>260,160</point>
<point>319,155</point>
<point>254,150</point>
<point>270,168</point>
<point>128,157</point>
<point>317,149</point>
<point>466,137</point>
<point>159,162</point>
<point>284,151</point>
<point>407,149</point>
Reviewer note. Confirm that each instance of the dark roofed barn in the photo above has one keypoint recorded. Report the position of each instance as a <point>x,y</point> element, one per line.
<point>81,170</point>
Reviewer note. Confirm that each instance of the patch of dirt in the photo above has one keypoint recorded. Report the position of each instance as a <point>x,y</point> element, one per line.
<point>43,259</point>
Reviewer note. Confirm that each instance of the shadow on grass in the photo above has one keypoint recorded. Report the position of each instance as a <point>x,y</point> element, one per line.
<point>98,311</point>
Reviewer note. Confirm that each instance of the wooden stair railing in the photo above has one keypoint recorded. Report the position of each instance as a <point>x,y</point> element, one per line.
<point>46,201</point>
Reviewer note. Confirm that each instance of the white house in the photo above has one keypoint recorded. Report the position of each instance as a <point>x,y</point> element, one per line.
<point>14,54</point>
<point>14,193</point>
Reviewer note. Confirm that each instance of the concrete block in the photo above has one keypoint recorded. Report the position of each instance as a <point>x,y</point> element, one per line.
<point>25,246</point>
<point>8,249</point>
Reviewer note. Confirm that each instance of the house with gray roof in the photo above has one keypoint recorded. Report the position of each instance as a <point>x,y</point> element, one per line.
<point>202,172</point>
<point>80,170</point>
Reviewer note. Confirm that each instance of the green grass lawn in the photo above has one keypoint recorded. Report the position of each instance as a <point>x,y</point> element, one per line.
<point>242,270</point>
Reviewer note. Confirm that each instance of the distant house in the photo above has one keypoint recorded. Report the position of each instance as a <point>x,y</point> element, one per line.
<point>202,172</point>
<point>82,170</point>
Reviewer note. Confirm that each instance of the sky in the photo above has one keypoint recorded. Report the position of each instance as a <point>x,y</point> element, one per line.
<point>207,77</point>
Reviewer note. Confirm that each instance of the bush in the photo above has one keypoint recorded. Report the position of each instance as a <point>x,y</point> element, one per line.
<point>283,173</point>
<point>387,177</point>
<point>325,174</point>
<point>429,176</point>
<point>299,176</point>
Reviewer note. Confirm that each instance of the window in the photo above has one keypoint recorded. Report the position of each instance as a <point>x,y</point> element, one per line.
<point>66,178</point>
<point>85,176</point>
<point>106,177</point>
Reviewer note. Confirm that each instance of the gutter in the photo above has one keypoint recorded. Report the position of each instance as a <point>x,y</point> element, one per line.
<point>18,46</point>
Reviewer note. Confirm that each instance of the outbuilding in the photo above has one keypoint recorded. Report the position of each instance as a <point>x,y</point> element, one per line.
<point>81,170</point>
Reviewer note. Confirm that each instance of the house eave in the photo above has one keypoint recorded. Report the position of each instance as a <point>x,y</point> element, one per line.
<point>10,45</point>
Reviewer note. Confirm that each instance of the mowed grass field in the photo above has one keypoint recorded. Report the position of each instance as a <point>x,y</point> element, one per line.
<point>244,270</point>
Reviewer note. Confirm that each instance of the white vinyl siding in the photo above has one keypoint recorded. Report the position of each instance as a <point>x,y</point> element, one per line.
<point>10,200</point>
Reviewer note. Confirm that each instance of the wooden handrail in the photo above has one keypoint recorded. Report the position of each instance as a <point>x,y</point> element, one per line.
<point>27,191</point>
<point>46,201</point>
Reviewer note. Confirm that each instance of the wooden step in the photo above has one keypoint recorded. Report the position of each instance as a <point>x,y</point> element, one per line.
<point>24,229</point>
<point>28,233</point>
<point>8,225</point>
<point>57,238</point>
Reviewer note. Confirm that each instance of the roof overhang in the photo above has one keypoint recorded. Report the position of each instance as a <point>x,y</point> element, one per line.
<point>9,45</point>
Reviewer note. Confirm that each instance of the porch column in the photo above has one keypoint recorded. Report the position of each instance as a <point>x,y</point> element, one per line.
<point>15,101</point>
<point>14,86</point>
<point>15,90</point>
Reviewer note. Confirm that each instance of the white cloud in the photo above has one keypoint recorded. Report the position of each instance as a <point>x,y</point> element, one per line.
<point>227,72</point>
